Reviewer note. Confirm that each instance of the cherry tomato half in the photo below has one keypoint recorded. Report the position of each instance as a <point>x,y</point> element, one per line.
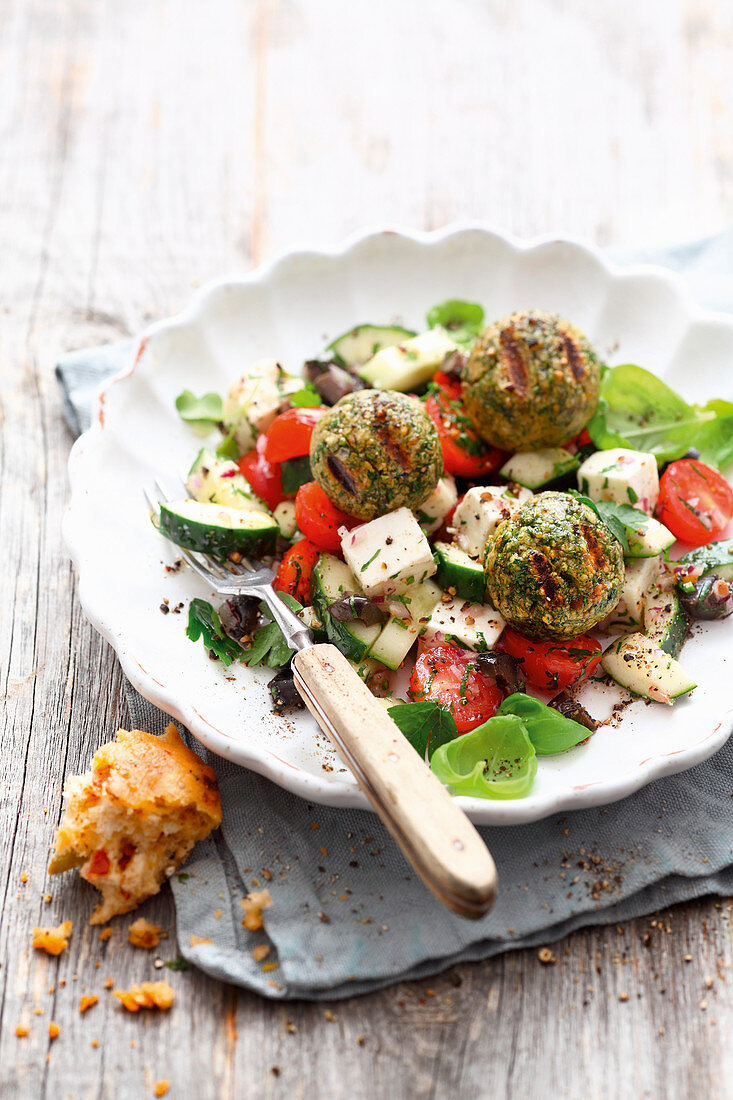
<point>294,573</point>
<point>289,435</point>
<point>452,677</point>
<point>319,519</point>
<point>695,501</point>
<point>463,452</point>
<point>553,666</point>
<point>263,476</point>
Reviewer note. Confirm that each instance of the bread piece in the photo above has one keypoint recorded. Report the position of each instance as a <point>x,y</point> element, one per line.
<point>135,817</point>
<point>146,995</point>
<point>53,940</point>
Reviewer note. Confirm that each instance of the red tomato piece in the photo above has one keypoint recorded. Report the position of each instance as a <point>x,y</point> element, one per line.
<point>289,435</point>
<point>452,677</point>
<point>553,666</point>
<point>319,519</point>
<point>463,452</point>
<point>695,501</point>
<point>294,573</point>
<point>263,476</point>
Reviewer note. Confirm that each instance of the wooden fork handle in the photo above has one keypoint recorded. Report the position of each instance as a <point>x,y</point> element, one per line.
<point>433,832</point>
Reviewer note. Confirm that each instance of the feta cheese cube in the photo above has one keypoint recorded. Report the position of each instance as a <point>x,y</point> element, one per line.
<point>253,401</point>
<point>433,511</point>
<point>471,625</point>
<point>388,554</point>
<point>623,476</point>
<point>481,511</point>
<point>641,577</point>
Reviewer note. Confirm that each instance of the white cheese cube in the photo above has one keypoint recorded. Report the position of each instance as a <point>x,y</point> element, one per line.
<point>625,477</point>
<point>481,511</point>
<point>407,365</point>
<point>388,554</point>
<point>641,578</point>
<point>433,511</point>
<point>253,401</point>
<point>471,625</point>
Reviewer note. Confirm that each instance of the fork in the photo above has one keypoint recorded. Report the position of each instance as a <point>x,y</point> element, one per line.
<point>429,826</point>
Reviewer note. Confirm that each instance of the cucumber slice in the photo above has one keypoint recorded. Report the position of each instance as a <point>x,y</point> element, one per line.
<point>331,580</point>
<point>215,480</point>
<point>284,516</point>
<point>216,530</point>
<point>533,469</point>
<point>295,472</point>
<point>716,557</point>
<point>639,664</point>
<point>400,633</point>
<point>409,365</point>
<point>648,541</point>
<point>357,346</point>
<point>456,571</point>
<point>665,621</point>
<point>375,676</point>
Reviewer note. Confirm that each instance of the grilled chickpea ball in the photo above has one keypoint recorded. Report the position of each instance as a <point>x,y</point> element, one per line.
<point>531,381</point>
<point>554,569</point>
<point>375,451</point>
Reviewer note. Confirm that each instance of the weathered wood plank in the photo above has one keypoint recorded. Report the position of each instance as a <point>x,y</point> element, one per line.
<point>148,146</point>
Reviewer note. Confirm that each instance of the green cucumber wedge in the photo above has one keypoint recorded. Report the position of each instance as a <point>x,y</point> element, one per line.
<point>665,621</point>
<point>399,635</point>
<point>408,365</point>
<point>457,572</point>
<point>357,346</point>
<point>650,539</point>
<point>217,530</point>
<point>639,664</point>
<point>215,480</point>
<point>716,557</point>
<point>533,469</point>
<point>332,579</point>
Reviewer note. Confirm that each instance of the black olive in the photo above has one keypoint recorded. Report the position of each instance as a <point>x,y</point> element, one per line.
<point>238,616</point>
<point>567,705</point>
<point>349,609</point>
<point>711,597</point>
<point>283,691</point>
<point>504,669</point>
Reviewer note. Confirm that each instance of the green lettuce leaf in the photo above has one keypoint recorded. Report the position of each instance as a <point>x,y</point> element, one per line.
<point>426,725</point>
<point>268,646</point>
<point>496,760</point>
<point>549,731</point>
<point>714,440</point>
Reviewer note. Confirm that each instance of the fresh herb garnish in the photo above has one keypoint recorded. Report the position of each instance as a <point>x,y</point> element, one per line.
<point>463,320</point>
<point>426,725</point>
<point>200,413</point>
<point>228,447</point>
<point>179,963</point>
<point>307,398</point>
<point>268,646</point>
<point>203,622</point>
<point>618,518</point>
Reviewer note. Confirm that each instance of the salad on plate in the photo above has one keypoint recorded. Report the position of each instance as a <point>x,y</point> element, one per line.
<point>482,518</point>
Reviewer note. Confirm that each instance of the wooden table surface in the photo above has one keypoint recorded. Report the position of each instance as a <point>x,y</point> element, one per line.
<point>149,145</point>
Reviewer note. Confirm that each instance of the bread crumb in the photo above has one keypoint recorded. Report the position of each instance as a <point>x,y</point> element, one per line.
<point>146,995</point>
<point>53,940</point>
<point>546,956</point>
<point>143,933</point>
<point>161,1087</point>
<point>87,1002</point>
<point>217,914</point>
<point>105,934</point>
<point>23,876</point>
<point>108,983</point>
<point>270,966</point>
<point>260,952</point>
<point>95,1042</point>
<point>22,1031</point>
<point>37,1011</point>
<point>253,905</point>
<point>623,996</point>
<point>193,940</point>
<point>53,1030</point>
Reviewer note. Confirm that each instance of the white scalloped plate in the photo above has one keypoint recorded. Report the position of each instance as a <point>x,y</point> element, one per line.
<point>288,310</point>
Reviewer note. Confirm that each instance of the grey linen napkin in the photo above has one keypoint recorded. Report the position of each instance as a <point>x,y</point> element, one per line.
<point>348,915</point>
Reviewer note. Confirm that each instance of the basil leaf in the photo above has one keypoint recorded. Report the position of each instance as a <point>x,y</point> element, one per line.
<point>714,441</point>
<point>200,413</point>
<point>268,646</point>
<point>307,398</point>
<point>618,518</point>
<point>496,760</point>
<point>426,725</point>
<point>639,411</point>
<point>549,731</point>
<point>203,622</point>
<point>463,320</point>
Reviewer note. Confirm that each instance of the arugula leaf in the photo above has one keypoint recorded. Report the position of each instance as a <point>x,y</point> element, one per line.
<point>307,398</point>
<point>463,320</point>
<point>715,438</point>
<point>200,413</point>
<point>426,725</point>
<point>203,622</point>
<point>268,646</point>
<point>638,410</point>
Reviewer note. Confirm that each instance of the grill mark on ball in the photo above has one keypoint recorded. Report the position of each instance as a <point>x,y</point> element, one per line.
<point>384,434</point>
<point>545,579</point>
<point>513,363</point>
<point>342,475</point>
<point>575,359</point>
<point>595,550</point>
